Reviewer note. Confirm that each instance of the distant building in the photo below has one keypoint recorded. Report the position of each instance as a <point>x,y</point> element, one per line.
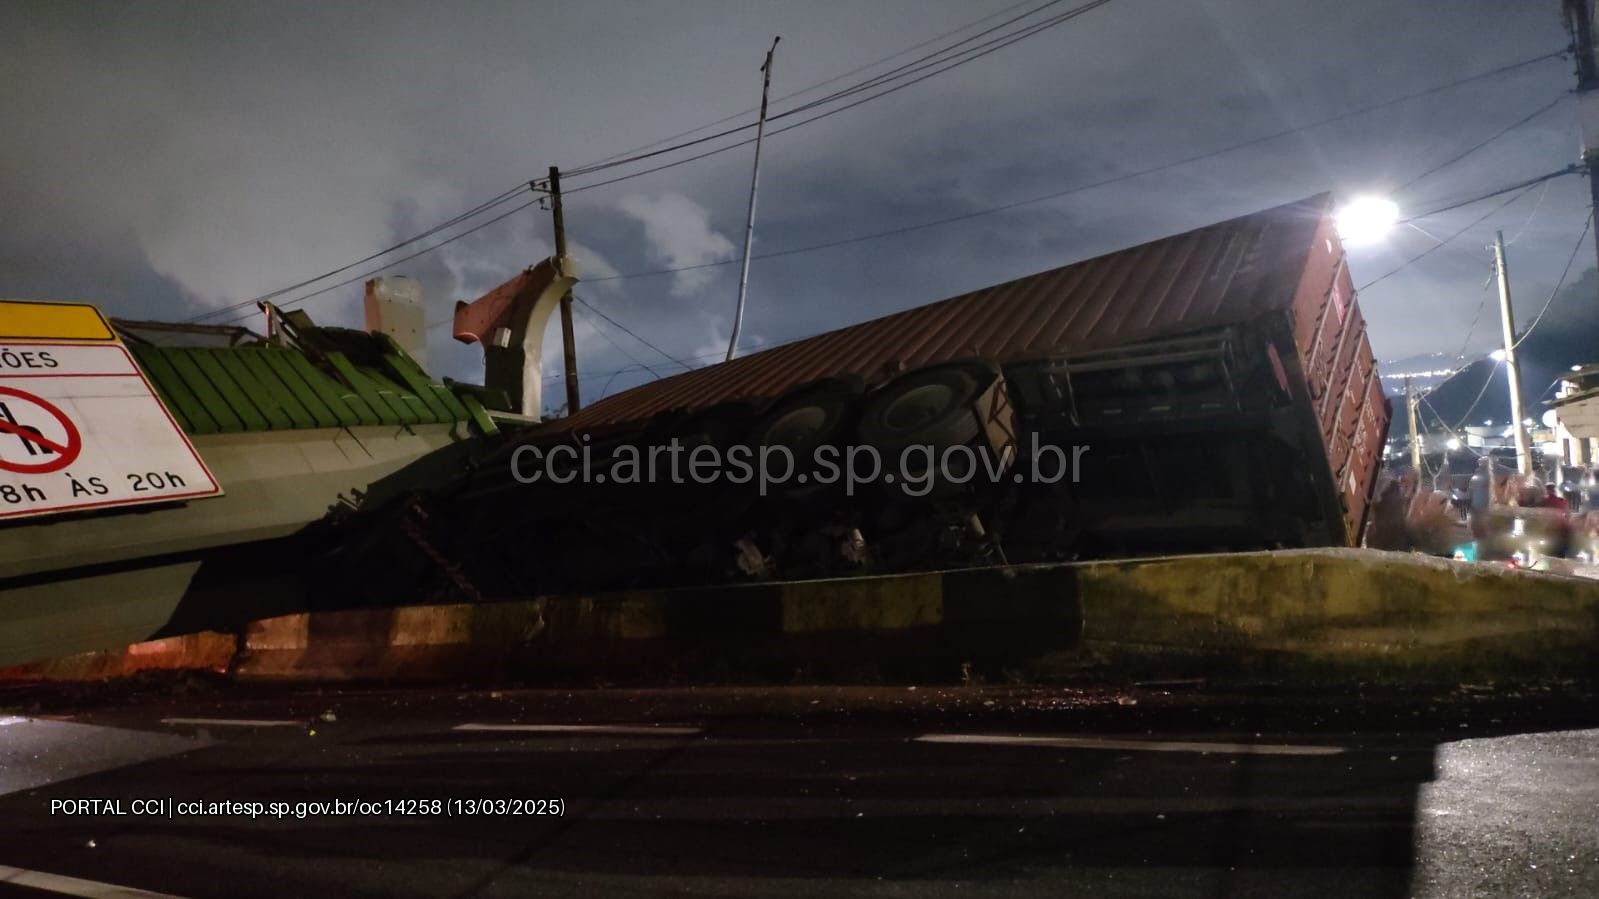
<point>1575,416</point>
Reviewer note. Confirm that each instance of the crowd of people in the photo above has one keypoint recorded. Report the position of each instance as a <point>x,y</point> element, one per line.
<point>1498,515</point>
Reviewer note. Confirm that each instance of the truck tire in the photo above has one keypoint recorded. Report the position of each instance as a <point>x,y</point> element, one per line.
<point>930,406</point>
<point>817,414</point>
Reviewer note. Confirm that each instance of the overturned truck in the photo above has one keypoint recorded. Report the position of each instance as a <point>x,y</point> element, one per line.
<point>1210,391</point>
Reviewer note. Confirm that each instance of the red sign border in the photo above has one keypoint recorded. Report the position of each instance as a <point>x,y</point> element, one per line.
<point>74,444</point>
<point>215,490</point>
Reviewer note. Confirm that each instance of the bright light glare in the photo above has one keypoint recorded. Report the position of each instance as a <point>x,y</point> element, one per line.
<point>1366,220</point>
<point>1497,355</point>
<point>1454,443</point>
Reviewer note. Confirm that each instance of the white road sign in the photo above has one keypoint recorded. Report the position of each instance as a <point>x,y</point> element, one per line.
<point>80,428</point>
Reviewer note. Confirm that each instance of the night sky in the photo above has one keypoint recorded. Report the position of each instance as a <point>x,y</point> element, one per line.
<point>166,159</point>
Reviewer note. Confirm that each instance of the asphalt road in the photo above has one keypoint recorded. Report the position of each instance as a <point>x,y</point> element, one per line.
<point>891,791</point>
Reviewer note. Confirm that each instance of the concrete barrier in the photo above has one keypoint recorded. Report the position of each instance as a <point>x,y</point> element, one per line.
<point>1344,614</point>
<point>890,626</point>
<point>1306,615</point>
<point>205,651</point>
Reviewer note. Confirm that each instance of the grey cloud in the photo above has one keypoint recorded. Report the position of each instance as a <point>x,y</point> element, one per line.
<point>678,232</point>
<point>205,153</point>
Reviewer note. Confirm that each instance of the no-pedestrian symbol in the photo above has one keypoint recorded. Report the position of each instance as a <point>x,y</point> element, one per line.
<point>81,428</point>
<point>36,437</point>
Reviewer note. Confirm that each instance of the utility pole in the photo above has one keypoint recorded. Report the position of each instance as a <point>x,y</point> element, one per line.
<point>1579,24</point>
<point>1415,435</point>
<point>749,221</point>
<point>568,341</point>
<point>1512,371</point>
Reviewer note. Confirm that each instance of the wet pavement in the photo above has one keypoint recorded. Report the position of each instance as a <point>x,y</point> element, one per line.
<point>1155,790</point>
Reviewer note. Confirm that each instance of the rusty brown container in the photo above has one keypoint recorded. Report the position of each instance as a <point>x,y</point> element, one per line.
<point>1268,296</point>
<point>1340,380</point>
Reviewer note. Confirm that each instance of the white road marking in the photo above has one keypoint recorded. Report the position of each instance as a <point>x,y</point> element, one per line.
<point>1130,745</point>
<point>233,722</point>
<point>34,753</point>
<point>630,729</point>
<point>74,886</point>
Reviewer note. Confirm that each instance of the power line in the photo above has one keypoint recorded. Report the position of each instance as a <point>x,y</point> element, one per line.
<point>629,332</point>
<point>1487,382</point>
<point>1082,188</point>
<point>1542,193</point>
<point>990,211</point>
<point>960,59</point>
<point>1500,70</point>
<point>1452,205</point>
<point>444,225</point>
<point>1466,342</point>
<point>916,65</point>
<point>805,90</point>
<point>623,350</point>
<point>1558,284</point>
<point>605,390</point>
<point>1264,138</point>
<point>715,354</point>
<point>1454,431</point>
<point>1485,142</point>
<point>1438,246</point>
<point>422,252</point>
<point>973,55</point>
<point>1525,186</point>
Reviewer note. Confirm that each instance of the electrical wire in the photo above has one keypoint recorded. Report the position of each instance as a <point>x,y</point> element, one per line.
<point>1451,205</point>
<point>1581,239</point>
<point>1481,306</point>
<point>629,332</point>
<point>917,65</point>
<point>946,64</point>
<point>974,55</point>
<point>442,226</point>
<point>422,252</point>
<point>1500,70</point>
<point>1466,342</point>
<point>1487,382</point>
<point>1441,243</point>
<point>1436,247</point>
<point>920,226</point>
<point>805,90</point>
<point>605,391</point>
<point>1453,432</point>
<point>1081,188</point>
<point>623,350</point>
<point>1536,207</point>
<point>1485,142</point>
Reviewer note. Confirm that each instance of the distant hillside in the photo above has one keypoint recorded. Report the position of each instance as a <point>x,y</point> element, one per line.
<point>1567,335</point>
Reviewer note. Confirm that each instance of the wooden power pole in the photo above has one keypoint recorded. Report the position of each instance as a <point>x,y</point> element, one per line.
<point>1512,370</point>
<point>1415,435</point>
<point>568,340</point>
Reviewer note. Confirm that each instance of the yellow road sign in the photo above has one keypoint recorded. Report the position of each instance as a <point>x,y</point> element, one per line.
<point>32,320</point>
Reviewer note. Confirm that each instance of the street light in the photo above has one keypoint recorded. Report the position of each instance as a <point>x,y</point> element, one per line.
<point>1497,355</point>
<point>1366,220</point>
